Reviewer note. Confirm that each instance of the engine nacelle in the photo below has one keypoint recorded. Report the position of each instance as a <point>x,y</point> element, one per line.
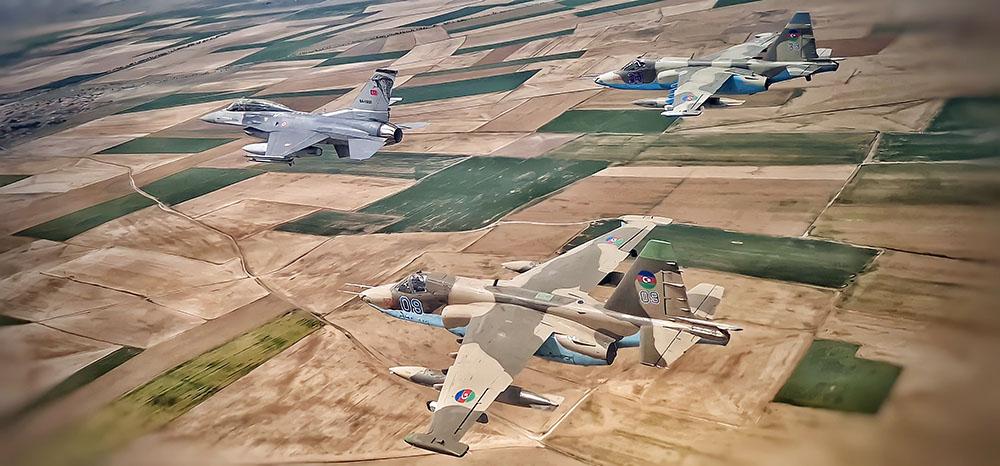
<point>667,77</point>
<point>564,349</point>
<point>744,85</point>
<point>255,133</point>
<point>391,132</point>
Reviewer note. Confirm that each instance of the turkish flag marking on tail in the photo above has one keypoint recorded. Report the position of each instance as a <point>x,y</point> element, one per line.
<point>374,92</point>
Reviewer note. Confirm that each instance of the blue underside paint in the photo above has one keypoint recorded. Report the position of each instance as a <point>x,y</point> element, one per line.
<point>653,86</point>
<point>550,350</point>
<point>782,76</point>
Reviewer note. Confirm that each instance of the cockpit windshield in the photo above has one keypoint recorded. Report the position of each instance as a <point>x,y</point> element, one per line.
<point>634,65</point>
<point>415,283</point>
<point>253,105</point>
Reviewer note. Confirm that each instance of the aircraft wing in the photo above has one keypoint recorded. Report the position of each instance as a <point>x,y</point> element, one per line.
<point>748,49</point>
<point>281,144</point>
<point>586,265</point>
<point>496,346</point>
<point>694,88</point>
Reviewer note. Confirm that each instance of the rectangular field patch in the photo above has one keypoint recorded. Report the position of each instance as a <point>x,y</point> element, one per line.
<point>722,149</point>
<point>478,191</point>
<point>466,87</point>
<point>172,189</point>
<point>523,40</point>
<point>966,113</point>
<point>608,121</point>
<point>814,262</point>
<point>189,98</point>
<point>334,223</point>
<point>162,145</point>
<point>933,147</point>
<point>830,376</point>
<point>386,164</point>
<point>172,394</point>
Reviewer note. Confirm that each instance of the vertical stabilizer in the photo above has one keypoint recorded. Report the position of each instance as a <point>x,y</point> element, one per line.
<point>795,43</point>
<point>373,101</point>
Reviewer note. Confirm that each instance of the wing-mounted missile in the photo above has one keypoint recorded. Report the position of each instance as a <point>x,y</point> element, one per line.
<point>652,103</point>
<point>720,102</point>
<point>513,395</point>
<point>519,266</point>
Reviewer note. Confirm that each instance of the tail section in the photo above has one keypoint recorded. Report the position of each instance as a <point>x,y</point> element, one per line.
<point>654,288</point>
<point>376,95</point>
<point>796,42</point>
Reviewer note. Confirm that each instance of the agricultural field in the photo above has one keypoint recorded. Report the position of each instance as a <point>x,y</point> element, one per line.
<point>165,299</point>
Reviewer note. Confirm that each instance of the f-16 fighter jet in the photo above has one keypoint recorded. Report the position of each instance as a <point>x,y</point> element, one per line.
<point>743,69</point>
<point>547,312</point>
<point>356,132</point>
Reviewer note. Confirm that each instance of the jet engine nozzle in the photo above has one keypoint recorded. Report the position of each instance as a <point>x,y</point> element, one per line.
<point>392,132</point>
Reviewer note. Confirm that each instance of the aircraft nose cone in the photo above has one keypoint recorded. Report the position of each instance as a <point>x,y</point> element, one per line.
<point>208,118</point>
<point>379,295</point>
<point>607,79</point>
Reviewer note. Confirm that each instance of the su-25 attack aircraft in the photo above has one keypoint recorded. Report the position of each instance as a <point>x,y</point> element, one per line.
<point>547,311</point>
<point>743,69</point>
<point>356,132</point>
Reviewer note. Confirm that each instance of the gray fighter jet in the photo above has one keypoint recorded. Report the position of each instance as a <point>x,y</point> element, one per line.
<point>743,69</point>
<point>356,132</point>
<point>547,311</point>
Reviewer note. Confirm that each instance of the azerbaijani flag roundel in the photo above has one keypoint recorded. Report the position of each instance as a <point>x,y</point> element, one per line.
<point>464,396</point>
<point>646,279</point>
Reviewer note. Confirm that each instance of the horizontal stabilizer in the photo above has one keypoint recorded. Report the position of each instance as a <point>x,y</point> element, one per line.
<point>413,125</point>
<point>704,298</point>
<point>358,148</point>
<point>660,347</point>
<point>681,113</point>
<point>448,446</point>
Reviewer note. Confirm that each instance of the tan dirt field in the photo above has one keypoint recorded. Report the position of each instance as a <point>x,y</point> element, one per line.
<point>588,199</point>
<point>36,296</point>
<point>271,250</point>
<point>82,173</point>
<point>37,358</point>
<point>534,145</point>
<point>215,300</point>
<point>251,216</point>
<point>154,229</point>
<point>339,192</point>
<point>533,113</point>
<point>139,324</point>
<point>145,273</point>
<point>528,242</point>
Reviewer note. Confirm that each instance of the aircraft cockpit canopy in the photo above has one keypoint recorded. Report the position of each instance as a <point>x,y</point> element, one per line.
<point>415,283</point>
<point>256,105</point>
<point>635,65</point>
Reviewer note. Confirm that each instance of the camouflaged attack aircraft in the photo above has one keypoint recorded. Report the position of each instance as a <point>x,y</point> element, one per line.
<point>743,69</point>
<point>547,311</point>
<point>356,132</point>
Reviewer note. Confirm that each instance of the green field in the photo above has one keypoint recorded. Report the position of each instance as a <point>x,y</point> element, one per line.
<point>312,93</point>
<point>924,184</point>
<point>968,113</point>
<point>172,189</point>
<point>608,121</point>
<point>405,165</point>
<point>465,87</point>
<point>68,81</point>
<point>814,262</point>
<point>922,147</point>
<point>338,60</point>
<point>479,190</point>
<point>721,149</point>
<point>159,145</point>
<point>502,64</point>
<point>574,3</point>
<point>830,376</point>
<point>76,380</point>
<point>724,3</point>
<point>523,40</point>
<point>615,7</point>
<point>8,179</point>
<point>170,395</point>
<point>190,98</point>
<point>505,17</point>
<point>333,223</point>
<point>8,320</point>
<point>449,16</point>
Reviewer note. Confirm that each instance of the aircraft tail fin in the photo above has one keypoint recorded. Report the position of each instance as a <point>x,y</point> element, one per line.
<point>796,42</point>
<point>376,95</point>
<point>653,287</point>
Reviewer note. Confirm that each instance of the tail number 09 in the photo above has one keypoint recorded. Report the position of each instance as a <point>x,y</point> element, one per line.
<point>649,297</point>
<point>411,305</point>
